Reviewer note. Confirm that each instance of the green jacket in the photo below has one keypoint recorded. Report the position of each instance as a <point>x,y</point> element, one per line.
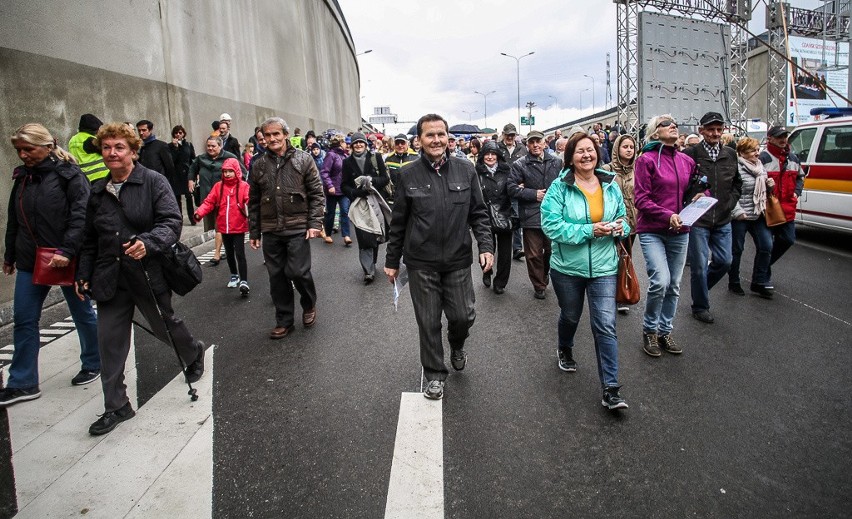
<point>566,221</point>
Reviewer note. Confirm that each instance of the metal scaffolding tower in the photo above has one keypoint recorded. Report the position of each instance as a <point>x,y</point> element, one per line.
<point>783,21</point>
<point>734,12</point>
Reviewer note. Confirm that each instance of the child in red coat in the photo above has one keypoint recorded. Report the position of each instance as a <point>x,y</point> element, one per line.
<point>229,197</point>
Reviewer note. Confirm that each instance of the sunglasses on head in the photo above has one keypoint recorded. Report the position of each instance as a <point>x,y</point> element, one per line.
<point>666,124</point>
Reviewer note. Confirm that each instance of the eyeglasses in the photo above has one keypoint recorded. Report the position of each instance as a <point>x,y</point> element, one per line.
<point>666,124</point>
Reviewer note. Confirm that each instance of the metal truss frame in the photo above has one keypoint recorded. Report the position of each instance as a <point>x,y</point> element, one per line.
<point>627,12</point>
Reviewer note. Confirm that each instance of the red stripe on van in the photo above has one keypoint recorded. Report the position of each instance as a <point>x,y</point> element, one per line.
<point>827,215</point>
<point>826,172</point>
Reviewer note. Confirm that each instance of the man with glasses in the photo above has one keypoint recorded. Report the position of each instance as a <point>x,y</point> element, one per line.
<point>710,237</point>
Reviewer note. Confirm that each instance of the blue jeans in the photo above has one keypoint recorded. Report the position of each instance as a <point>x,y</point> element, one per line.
<point>29,299</point>
<point>331,203</point>
<point>762,237</point>
<point>713,244</point>
<point>665,256</point>
<point>784,238</point>
<point>601,295</point>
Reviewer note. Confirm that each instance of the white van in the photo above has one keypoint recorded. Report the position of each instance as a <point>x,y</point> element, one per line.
<point>825,151</point>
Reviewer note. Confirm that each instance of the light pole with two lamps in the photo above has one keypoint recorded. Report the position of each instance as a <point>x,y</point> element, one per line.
<point>518,63</point>
<point>485,103</point>
<point>593,91</point>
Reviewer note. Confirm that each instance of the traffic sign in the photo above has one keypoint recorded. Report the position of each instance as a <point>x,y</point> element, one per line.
<point>529,121</point>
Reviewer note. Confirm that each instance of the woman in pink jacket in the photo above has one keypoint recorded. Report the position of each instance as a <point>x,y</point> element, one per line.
<point>229,197</point>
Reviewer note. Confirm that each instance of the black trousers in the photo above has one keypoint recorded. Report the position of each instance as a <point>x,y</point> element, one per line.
<point>114,326</point>
<point>190,205</point>
<point>503,261</point>
<point>288,259</point>
<point>235,253</point>
<point>433,293</point>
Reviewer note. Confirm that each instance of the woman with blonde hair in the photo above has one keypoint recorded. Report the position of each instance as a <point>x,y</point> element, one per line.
<point>748,217</point>
<point>661,176</point>
<point>47,208</point>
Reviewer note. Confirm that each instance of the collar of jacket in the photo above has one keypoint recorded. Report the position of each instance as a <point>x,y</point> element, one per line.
<point>778,153</point>
<point>426,160</point>
<point>135,177</point>
<point>290,151</point>
<point>604,177</point>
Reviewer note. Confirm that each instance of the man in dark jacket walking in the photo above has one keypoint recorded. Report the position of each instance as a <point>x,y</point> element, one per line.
<point>531,175</point>
<point>438,202</point>
<point>155,154</point>
<point>286,208</point>
<point>710,237</point>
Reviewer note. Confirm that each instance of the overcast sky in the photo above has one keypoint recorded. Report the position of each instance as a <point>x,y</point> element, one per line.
<point>431,55</point>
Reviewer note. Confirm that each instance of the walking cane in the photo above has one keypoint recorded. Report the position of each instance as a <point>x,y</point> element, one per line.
<point>193,393</point>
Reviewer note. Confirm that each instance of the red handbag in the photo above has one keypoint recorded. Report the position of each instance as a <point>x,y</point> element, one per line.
<point>44,274</point>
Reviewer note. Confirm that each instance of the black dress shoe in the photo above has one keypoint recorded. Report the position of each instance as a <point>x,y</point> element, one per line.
<point>486,279</point>
<point>196,369</point>
<point>704,316</point>
<point>736,288</point>
<point>762,291</point>
<point>498,290</point>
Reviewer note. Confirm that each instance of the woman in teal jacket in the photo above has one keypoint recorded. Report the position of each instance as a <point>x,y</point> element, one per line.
<point>583,214</point>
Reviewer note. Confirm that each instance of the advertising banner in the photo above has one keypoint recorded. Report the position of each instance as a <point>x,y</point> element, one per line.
<point>805,92</point>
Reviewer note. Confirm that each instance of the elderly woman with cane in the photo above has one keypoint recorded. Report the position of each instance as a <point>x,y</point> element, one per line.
<point>132,222</point>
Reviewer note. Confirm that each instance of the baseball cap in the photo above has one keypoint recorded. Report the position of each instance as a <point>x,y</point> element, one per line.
<point>400,137</point>
<point>510,129</point>
<point>710,118</point>
<point>225,117</point>
<point>777,131</point>
<point>535,134</point>
<point>451,137</point>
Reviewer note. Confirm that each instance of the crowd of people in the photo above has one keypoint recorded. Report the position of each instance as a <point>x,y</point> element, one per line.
<point>559,203</point>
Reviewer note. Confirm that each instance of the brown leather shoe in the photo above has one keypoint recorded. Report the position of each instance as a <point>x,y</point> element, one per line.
<point>279,332</point>
<point>309,317</point>
<point>347,241</point>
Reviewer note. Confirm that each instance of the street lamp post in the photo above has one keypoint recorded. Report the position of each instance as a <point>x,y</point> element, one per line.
<point>485,104</point>
<point>470,114</point>
<point>518,63</point>
<point>593,91</point>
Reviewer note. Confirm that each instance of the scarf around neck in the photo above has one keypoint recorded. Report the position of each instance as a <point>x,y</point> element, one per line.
<point>759,173</point>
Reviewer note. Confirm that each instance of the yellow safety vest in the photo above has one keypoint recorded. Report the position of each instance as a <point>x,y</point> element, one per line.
<point>92,164</point>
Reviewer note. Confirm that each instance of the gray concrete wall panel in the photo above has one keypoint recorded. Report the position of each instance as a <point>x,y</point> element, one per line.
<point>173,62</point>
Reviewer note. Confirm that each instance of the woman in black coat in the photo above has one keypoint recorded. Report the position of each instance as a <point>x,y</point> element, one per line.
<point>183,153</point>
<point>47,208</point>
<point>493,173</point>
<point>357,167</point>
<point>132,221</point>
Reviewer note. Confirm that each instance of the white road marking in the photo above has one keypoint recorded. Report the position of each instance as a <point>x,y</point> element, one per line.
<point>158,464</point>
<point>416,487</point>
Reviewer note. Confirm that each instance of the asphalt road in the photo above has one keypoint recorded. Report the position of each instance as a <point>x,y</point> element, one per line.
<point>752,419</point>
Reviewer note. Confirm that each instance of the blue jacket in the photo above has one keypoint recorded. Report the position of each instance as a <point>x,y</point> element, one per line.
<point>565,219</point>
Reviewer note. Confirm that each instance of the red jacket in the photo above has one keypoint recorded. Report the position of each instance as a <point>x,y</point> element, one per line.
<point>787,182</point>
<point>230,196</point>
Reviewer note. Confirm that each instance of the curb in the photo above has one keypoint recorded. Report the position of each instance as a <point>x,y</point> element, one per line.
<point>7,315</point>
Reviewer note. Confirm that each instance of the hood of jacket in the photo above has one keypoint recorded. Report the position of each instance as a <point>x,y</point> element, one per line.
<point>617,164</point>
<point>232,164</point>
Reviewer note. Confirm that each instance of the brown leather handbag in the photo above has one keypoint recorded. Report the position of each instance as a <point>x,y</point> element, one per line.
<point>627,288</point>
<point>774,213</point>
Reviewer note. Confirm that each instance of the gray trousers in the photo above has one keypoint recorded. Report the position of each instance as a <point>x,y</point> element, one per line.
<point>114,326</point>
<point>431,294</point>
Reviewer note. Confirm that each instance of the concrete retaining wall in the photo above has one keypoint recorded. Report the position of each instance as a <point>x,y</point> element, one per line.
<point>173,62</point>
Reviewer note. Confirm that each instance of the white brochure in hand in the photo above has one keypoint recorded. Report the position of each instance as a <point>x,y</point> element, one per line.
<point>696,210</point>
<point>400,281</point>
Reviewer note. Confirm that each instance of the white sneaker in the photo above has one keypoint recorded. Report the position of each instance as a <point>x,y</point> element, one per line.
<point>235,280</point>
